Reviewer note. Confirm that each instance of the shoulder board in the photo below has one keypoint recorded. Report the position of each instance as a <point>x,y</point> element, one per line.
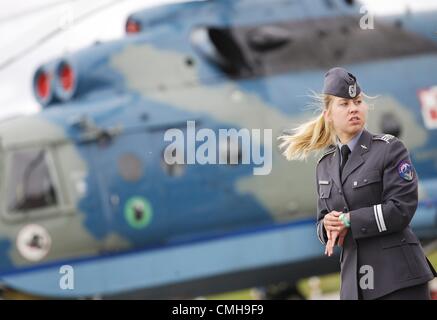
<point>383,137</point>
<point>329,151</point>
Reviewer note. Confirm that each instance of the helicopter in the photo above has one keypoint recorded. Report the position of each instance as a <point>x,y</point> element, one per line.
<point>91,206</point>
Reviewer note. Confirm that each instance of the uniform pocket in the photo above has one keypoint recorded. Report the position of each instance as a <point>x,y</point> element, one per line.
<point>369,178</point>
<point>325,190</point>
<point>399,239</point>
<point>402,248</point>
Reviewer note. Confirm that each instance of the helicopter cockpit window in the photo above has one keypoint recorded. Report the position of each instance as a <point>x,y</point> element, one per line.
<point>30,185</point>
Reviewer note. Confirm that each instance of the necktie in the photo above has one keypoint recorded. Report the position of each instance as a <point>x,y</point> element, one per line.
<point>345,151</point>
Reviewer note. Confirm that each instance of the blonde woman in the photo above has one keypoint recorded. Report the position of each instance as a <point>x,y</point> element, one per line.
<point>367,196</point>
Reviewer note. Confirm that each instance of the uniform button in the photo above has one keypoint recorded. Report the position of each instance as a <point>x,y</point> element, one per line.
<point>340,192</point>
<point>404,214</point>
<point>363,230</point>
<point>345,209</point>
<point>365,180</point>
<point>403,240</point>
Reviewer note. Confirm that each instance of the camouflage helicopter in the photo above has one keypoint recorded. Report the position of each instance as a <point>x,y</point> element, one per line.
<point>90,207</point>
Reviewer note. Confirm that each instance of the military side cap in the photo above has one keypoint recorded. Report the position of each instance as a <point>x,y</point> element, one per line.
<point>341,83</point>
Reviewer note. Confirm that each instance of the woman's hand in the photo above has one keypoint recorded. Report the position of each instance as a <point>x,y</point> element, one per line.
<point>332,223</point>
<point>341,236</point>
<point>334,228</point>
<point>332,237</point>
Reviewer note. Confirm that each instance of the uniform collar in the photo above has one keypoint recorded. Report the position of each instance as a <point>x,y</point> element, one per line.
<point>356,159</point>
<point>352,143</point>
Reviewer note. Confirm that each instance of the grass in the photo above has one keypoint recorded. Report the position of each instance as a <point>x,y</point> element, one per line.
<point>237,295</point>
<point>433,259</point>
<point>328,284</point>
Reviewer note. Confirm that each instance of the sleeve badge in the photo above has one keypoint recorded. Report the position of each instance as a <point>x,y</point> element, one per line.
<point>405,170</point>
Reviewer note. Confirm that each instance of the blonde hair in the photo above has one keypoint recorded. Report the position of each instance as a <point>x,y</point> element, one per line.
<point>310,136</point>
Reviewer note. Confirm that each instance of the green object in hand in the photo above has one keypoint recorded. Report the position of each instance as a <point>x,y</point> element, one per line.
<point>345,220</point>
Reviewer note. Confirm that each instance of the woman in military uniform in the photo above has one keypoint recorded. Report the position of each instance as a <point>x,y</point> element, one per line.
<point>367,196</point>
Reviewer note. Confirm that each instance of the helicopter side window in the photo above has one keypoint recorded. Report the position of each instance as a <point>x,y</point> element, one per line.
<point>260,50</point>
<point>220,47</point>
<point>30,185</point>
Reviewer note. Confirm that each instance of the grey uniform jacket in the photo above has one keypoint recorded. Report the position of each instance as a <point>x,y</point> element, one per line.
<point>378,188</point>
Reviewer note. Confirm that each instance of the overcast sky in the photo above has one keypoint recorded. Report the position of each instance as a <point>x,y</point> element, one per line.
<point>23,23</point>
